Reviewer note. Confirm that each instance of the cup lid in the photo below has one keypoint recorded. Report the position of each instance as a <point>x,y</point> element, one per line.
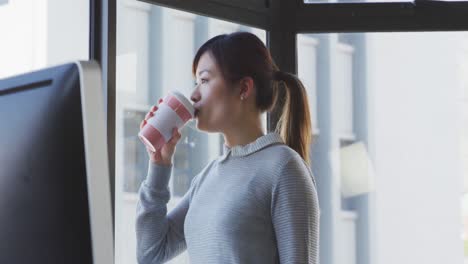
<point>184,101</point>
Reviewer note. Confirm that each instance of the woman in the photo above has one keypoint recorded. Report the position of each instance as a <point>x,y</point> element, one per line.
<point>257,203</point>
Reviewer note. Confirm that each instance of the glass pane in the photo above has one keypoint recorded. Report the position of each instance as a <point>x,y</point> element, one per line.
<point>155,49</point>
<point>391,154</point>
<point>307,72</point>
<point>34,34</point>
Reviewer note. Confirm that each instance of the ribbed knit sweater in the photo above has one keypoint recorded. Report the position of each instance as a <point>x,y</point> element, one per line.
<point>255,204</point>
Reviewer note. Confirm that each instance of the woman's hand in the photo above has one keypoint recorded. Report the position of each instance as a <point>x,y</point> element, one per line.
<point>164,155</point>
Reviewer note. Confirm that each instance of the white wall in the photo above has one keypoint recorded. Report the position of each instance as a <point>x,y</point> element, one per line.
<point>39,33</point>
<point>23,30</point>
<point>67,31</point>
<point>414,141</point>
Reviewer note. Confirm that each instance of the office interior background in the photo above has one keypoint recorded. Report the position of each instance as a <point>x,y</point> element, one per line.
<point>389,110</point>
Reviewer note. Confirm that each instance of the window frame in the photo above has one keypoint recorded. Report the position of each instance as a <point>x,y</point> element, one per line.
<point>282,20</point>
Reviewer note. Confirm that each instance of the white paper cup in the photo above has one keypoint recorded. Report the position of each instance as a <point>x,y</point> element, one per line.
<point>174,111</point>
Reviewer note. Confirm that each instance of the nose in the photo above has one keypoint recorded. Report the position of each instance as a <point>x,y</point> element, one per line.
<point>195,96</point>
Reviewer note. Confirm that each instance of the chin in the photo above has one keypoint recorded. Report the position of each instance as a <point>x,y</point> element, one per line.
<point>203,127</point>
<point>200,125</point>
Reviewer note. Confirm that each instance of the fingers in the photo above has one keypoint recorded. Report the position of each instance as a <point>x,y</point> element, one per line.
<point>143,123</point>
<point>175,137</point>
<point>150,114</point>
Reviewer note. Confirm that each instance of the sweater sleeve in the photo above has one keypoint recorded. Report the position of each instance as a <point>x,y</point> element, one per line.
<point>295,214</point>
<point>160,237</point>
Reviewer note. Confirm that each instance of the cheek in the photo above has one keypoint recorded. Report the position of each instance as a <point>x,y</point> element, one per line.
<point>218,104</point>
<point>223,114</point>
<point>214,116</point>
<point>213,113</point>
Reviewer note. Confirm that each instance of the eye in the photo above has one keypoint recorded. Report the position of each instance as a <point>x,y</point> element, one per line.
<point>202,81</point>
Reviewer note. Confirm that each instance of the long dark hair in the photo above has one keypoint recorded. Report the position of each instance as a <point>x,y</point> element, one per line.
<point>243,54</point>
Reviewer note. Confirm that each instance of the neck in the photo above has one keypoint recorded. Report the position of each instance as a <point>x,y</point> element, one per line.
<point>244,134</point>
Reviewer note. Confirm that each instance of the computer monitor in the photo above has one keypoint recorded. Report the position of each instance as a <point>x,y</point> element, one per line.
<point>55,201</point>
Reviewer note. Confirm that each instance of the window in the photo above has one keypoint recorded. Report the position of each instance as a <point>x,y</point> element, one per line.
<point>392,113</point>
<point>155,49</point>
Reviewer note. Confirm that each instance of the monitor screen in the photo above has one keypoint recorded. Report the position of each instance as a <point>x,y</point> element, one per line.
<point>55,204</point>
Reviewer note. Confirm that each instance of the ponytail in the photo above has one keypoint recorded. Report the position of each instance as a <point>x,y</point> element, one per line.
<point>294,124</point>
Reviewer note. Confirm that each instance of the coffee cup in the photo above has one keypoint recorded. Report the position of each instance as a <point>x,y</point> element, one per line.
<point>173,112</point>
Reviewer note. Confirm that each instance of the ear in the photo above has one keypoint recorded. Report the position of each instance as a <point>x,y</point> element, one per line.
<point>246,87</point>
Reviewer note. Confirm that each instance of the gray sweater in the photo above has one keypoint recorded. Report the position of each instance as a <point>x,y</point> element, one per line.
<point>256,204</point>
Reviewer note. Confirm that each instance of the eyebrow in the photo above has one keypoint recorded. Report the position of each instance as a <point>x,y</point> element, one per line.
<point>199,73</point>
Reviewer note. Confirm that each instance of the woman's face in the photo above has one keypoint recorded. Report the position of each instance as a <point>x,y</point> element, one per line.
<point>216,103</point>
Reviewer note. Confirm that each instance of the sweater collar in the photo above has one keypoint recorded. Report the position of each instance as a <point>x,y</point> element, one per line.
<point>260,143</point>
